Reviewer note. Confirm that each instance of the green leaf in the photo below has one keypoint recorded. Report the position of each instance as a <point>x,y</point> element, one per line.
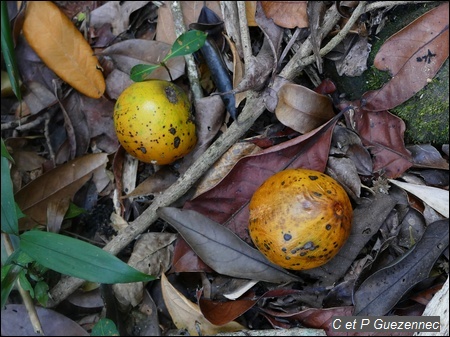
<point>41,292</point>
<point>77,258</point>
<point>10,273</point>
<point>74,211</point>
<point>141,72</point>
<point>9,215</point>
<point>105,327</point>
<point>187,43</point>
<point>8,52</point>
<point>25,284</point>
<point>5,152</point>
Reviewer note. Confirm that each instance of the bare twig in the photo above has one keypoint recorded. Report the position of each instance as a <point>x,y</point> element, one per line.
<point>245,34</point>
<point>381,4</point>
<point>192,72</point>
<point>303,57</point>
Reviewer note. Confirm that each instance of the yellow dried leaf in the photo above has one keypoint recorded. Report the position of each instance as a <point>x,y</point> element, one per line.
<point>62,47</point>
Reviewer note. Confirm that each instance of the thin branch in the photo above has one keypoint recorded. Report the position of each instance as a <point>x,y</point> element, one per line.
<point>302,58</point>
<point>245,34</point>
<point>381,4</point>
<point>192,72</point>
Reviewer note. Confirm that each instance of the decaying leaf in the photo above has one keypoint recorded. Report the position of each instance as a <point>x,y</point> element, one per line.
<point>383,135</point>
<point>302,109</point>
<point>436,198</point>
<point>187,315</point>
<point>413,56</point>
<point>62,47</point>
<point>53,323</point>
<point>63,181</point>
<point>152,255</point>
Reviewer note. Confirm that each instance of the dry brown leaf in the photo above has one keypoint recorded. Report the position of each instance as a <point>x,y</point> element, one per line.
<point>63,48</point>
<point>287,14</point>
<point>302,109</point>
<point>152,255</point>
<point>187,315</point>
<point>63,181</point>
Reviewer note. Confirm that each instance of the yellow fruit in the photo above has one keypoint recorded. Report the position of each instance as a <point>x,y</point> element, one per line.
<point>153,122</point>
<point>300,219</point>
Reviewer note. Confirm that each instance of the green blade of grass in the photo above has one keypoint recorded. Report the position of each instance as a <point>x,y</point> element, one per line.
<point>9,217</point>
<point>8,51</point>
<point>77,258</point>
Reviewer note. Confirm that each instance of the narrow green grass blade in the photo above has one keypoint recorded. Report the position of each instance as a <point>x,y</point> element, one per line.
<point>77,258</point>
<point>9,216</point>
<point>8,52</point>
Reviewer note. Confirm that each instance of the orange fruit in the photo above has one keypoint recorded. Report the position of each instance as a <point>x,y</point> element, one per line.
<point>154,123</point>
<point>300,219</point>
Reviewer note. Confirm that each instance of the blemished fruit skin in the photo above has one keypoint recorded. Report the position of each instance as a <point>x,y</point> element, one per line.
<point>299,218</point>
<point>154,123</point>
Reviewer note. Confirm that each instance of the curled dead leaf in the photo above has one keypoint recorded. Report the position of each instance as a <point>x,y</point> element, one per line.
<point>302,109</point>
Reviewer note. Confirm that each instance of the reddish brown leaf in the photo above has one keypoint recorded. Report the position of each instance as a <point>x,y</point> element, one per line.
<point>413,56</point>
<point>383,134</point>
<point>219,312</point>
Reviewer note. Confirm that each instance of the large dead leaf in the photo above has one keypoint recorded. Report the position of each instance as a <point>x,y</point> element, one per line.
<point>302,109</point>
<point>383,289</point>
<point>187,315</point>
<point>413,56</point>
<point>15,322</point>
<point>221,249</point>
<point>63,181</point>
<point>63,48</point>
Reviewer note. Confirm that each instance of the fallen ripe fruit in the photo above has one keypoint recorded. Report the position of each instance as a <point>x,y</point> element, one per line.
<point>300,219</point>
<point>153,122</point>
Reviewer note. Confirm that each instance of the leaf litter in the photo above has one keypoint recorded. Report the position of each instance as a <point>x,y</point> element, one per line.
<point>359,143</point>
